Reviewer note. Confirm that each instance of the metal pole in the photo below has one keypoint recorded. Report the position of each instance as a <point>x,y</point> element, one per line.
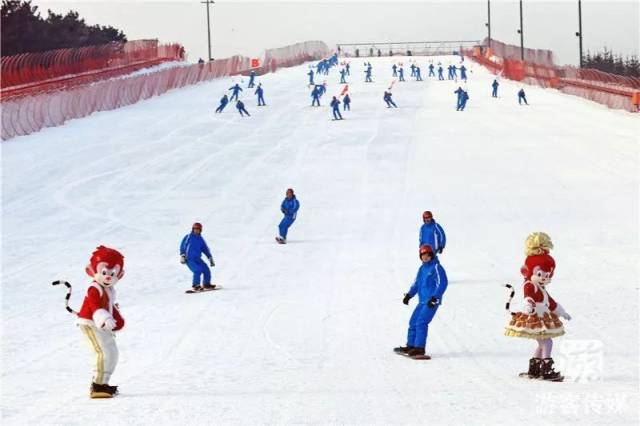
<point>208,2</point>
<point>521,35</point>
<point>489,21</point>
<point>579,33</point>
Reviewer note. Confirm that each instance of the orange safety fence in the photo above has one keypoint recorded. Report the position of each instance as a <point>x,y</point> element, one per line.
<point>25,115</point>
<point>615,91</point>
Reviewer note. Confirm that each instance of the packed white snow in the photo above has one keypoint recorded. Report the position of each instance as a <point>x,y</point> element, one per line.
<point>303,333</point>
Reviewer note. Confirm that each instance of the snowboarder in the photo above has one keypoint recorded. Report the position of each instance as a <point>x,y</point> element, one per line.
<point>430,284</point>
<point>388,100</point>
<point>99,317</point>
<point>522,97</point>
<point>335,104</point>
<point>431,233</point>
<point>495,85</point>
<point>539,319</point>
<point>241,109</point>
<point>236,90</point>
<point>223,103</point>
<point>252,77</point>
<point>289,208</point>
<point>346,102</point>
<point>191,249</point>
<point>260,92</point>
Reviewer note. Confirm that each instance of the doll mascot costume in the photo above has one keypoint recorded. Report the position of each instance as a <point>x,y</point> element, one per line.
<point>540,316</point>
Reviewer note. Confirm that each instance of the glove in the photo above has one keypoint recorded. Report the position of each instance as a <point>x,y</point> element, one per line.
<point>406,299</point>
<point>211,262</point>
<point>183,259</point>
<point>529,306</point>
<point>433,302</point>
<point>109,324</point>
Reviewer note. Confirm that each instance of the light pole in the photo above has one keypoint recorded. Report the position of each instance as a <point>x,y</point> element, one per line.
<point>579,33</point>
<point>208,2</point>
<point>521,35</point>
<point>488,24</point>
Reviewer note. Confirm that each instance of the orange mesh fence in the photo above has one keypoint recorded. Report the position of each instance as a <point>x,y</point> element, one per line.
<point>25,115</point>
<point>615,91</point>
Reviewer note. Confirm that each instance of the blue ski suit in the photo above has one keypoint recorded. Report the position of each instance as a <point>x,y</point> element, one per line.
<point>241,108</point>
<point>223,103</point>
<point>431,281</point>
<point>433,234</point>
<point>346,103</point>
<point>348,68</point>
<point>260,94</point>
<point>315,94</point>
<point>418,76</point>
<point>343,73</point>
<point>236,89</point>
<point>431,73</point>
<point>335,104</point>
<point>495,85</point>
<point>310,74</point>
<point>401,74</point>
<point>522,97</point>
<point>368,75</point>
<point>395,70</point>
<point>193,247</point>
<point>252,77</point>
<point>440,76</point>
<point>463,73</point>
<point>388,100</point>
<point>290,208</point>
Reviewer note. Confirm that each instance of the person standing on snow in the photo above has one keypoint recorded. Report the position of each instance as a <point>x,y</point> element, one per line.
<point>315,94</point>
<point>401,74</point>
<point>252,77</point>
<point>236,90</point>
<point>346,102</point>
<point>335,104</point>
<point>431,73</point>
<point>310,74</point>
<point>367,74</point>
<point>463,73</point>
<point>495,84</point>
<point>394,68</point>
<point>289,208</point>
<point>343,73</point>
<point>522,97</point>
<point>440,70</point>
<point>260,92</point>
<point>430,284</point>
<point>192,248</point>
<point>431,233</point>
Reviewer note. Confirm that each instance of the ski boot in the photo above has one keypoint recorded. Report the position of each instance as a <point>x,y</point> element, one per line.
<point>548,373</point>
<point>208,286</point>
<point>102,391</point>
<point>281,240</point>
<point>417,353</point>
<point>402,350</point>
<point>534,369</point>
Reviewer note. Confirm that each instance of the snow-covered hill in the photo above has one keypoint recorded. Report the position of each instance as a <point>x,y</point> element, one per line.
<point>302,333</point>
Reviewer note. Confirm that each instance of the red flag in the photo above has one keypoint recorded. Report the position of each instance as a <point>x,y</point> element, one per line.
<point>345,90</point>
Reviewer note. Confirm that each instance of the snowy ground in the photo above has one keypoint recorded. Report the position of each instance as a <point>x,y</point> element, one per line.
<point>303,333</point>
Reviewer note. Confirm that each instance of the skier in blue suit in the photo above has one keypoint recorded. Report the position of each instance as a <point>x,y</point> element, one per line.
<point>252,77</point>
<point>388,100</point>
<point>260,92</point>
<point>463,73</point>
<point>401,74</point>
<point>289,208</point>
<point>192,248</point>
<point>431,73</point>
<point>346,102</point>
<point>463,96</point>
<point>315,94</point>
<point>440,70</point>
<point>343,73</point>
<point>241,109</point>
<point>494,92</point>
<point>418,76</point>
<point>223,103</point>
<point>335,104</point>
<point>430,284</point>
<point>310,74</point>
<point>431,233</point>
<point>522,97</point>
<point>236,90</point>
<point>348,68</point>
<point>395,70</point>
<point>368,75</point>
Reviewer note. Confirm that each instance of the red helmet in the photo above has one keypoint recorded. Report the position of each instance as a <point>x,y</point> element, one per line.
<point>197,225</point>
<point>427,215</point>
<point>426,249</point>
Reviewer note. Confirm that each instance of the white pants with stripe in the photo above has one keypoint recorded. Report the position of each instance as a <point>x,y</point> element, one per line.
<point>103,344</point>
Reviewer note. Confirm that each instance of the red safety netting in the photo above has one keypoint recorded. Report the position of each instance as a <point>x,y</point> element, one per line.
<point>615,91</point>
<point>25,115</point>
<point>509,51</point>
<point>28,68</point>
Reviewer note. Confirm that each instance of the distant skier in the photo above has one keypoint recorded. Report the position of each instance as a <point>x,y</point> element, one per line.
<point>241,109</point>
<point>236,90</point>
<point>289,208</point>
<point>431,73</point>
<point>223,103</point>
<point>347,67</point>
<point>413,70</point>
<point>310,74</point>
<point>463,96</point>
<point>346,102</point>
<point>368,75</point>
<point>431,233</point>
<point>463,73</point>
<point>418,76</point>
<point>454,72</point>
<point>394,68</point>
<point>260,92</point>
<point>192,247</point>
<point>401,74</point>
<point>335,104</point>
<point>440,70</point>
<point>495,85</point>
<point>430,284</point>
<point>388,100</point>
<point>252,77</point>
<point>343,73</point>
<point>315,94</point>
<point>522,97</point>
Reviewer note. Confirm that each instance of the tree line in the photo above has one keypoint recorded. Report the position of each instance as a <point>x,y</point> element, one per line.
<point>607,61</point>
<point>24,30</point>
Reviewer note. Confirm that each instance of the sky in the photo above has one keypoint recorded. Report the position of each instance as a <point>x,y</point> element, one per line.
<point>248,27</point>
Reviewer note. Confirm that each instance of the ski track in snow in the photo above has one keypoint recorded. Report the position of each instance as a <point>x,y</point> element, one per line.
<point>302,333</point>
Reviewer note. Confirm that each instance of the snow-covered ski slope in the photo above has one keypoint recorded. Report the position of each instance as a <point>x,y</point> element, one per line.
<point>303,333</point>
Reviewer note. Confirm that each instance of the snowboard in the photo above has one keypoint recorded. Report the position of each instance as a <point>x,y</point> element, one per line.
<point>191,291</point>
<point>526,376</point>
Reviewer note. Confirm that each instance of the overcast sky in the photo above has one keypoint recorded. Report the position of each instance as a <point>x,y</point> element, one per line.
<point>244,27</point>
